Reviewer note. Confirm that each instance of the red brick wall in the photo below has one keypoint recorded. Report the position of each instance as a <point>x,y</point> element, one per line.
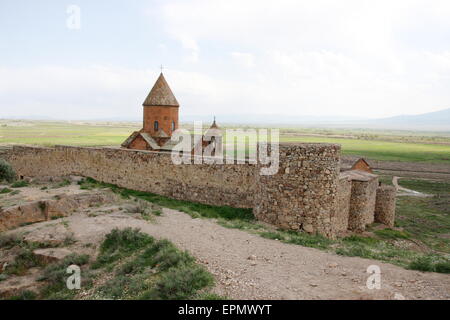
<point>164,115</point>
<point>138,143</point>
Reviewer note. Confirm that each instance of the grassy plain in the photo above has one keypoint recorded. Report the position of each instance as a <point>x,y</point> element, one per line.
<point>378,145</point>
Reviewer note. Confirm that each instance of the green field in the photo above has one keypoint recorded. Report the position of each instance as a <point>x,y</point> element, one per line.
<point>370,145</point>
<point>384,150</point>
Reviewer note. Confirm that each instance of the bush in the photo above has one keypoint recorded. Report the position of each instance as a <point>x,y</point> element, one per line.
<point>19,184</point>
<point>23,261</point>
<point>56,275</point>
<point>6,171</point>
<point>429,263</point>
<point>121,243</point>
<point>5,190</point>
<point>179,283</point>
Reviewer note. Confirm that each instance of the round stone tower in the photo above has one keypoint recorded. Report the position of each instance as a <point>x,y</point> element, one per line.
<point>160,110</point>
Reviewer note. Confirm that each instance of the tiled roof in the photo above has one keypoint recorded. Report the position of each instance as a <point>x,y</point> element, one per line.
<point>161,95</point>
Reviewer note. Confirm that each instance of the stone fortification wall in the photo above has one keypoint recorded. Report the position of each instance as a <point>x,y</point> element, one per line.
<point>341,215</point>
<point>385,205</point>
<point>307,193</point>
<point>231,185</point>
<point>362,204</point>
<point>302,195</point>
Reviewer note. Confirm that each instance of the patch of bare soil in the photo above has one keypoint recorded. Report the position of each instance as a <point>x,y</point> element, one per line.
<point>247,266</point>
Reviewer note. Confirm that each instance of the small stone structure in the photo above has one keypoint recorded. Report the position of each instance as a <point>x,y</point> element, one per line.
<point>362,199</point>
<point>385,205</point>
<point>307,193</point>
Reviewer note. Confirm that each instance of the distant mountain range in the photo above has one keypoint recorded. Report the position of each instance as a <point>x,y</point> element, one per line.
<point>438,120</point>
<point>432,121</point>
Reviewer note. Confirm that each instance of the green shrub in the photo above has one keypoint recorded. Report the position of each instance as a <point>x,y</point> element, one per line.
<point>23,261</point>
<point>431,264</point>
<point>179,283</point>
<point>7,173</point>
<point>5,190</point>
<point>121,243</point>
<point>56,275</point>
<point>308,240</point>
<point>127,239</point>
<point>359,239</point>
<point>19,184</point>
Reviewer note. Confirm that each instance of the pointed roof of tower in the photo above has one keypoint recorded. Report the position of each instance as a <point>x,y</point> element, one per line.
<point>161,95</point>
<point>214,124</point>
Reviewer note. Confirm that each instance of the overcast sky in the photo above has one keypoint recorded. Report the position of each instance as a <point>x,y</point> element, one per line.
<point>346,58</point>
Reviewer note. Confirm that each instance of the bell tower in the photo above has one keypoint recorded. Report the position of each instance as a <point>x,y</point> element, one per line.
<point>160,110</point>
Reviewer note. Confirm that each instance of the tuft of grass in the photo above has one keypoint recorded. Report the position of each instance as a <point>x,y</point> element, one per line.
<point>19,184</point>
<point>121,243</point>
<point>55,275</point>
<point>272,235</point>
<point>64,183</point>
<point>430,263</point>
<point>392,234</point>
<point>157,270</point>
<point>5,190</point>
<point>359,239</point>
<point>179,283</point>
<point>298,238</point>
<point>23,261</point>
<point>191,208</point>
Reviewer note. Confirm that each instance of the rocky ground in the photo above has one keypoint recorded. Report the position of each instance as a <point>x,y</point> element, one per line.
<point>245,266</point>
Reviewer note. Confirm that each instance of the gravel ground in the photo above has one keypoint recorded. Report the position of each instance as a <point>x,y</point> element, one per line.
<point>247,266</point>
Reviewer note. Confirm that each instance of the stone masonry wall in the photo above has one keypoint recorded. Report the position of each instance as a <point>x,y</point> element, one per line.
<point>231,185</point>
<point>302,195</point>
<point>341,215</point>
<point>362,204</point>
<point>306,193</point>
<point>385,205</point>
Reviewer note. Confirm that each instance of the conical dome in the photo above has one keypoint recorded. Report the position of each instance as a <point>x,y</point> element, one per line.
<point>161,95</point>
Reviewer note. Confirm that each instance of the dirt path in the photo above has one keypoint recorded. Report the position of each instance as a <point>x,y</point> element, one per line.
<point>247,266</point>
<point>407,192</point>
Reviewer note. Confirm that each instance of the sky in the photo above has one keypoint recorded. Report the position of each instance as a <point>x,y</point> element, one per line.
<point>85,59</point>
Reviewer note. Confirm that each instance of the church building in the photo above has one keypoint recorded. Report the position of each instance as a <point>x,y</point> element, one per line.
<point>160,120</point>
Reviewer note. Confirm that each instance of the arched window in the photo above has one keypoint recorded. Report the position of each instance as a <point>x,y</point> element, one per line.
<point>156,125</point>
<point>173,125</point>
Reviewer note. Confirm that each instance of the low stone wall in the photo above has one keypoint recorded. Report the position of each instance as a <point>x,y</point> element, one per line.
<point>341,215</point>
<point>302,195</point>
<point>362,204</point>
<point>385,205</point>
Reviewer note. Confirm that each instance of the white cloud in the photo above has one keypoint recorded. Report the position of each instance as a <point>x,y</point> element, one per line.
<point>355,57</point>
